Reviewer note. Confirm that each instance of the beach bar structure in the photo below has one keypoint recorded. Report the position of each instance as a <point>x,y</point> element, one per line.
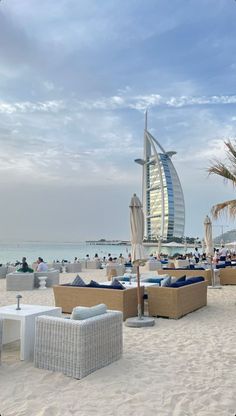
<point>162,194</point>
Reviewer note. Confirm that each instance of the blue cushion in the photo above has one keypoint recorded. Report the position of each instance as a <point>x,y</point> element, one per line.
<point>152,279</point>
<point>101,286</point>
<point>195,279</point>
<point>117,285</point>
<point>181,279</point>
<point>92,283</point>
<point>220,266</point>
<point>123,278</point>
<point>180,284</point>
<point>83,312</point>
<point>78,281</point>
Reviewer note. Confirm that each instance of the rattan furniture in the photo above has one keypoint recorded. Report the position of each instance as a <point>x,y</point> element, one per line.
<point>73,267</point>
<point>189,273</point>
<point>68,297</point>
<point>227,276</point>
<point>119,268</point>
<point>77,348</point>
<point>20,281</point>
<point>176,302</point>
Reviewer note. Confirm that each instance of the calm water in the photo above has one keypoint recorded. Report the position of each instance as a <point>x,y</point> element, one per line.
<point>10,252</point>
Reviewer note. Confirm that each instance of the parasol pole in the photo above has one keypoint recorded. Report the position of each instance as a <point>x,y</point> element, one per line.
<point>139,294</point>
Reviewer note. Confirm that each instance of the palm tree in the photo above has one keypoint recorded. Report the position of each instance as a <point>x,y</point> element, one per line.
<point>228,172</point>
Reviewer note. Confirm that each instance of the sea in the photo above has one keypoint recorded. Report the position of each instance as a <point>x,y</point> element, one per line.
<point>53,251</point>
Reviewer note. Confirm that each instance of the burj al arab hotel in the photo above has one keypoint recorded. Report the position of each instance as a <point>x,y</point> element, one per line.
<point>162,195</point>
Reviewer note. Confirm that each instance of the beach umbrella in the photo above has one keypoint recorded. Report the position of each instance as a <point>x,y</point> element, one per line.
<point>159,248</point>
<point>203,245</point>
<point>138,256</point>
<point>209,247</point>
<point>208,237</point>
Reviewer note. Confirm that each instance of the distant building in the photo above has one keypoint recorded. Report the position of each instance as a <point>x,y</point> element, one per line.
<point>162,195</point>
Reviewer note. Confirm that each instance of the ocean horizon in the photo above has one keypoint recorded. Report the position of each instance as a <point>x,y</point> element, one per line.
<point>53,251</point>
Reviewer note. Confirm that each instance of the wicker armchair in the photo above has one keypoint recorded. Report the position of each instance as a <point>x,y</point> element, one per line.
<point>77,348</point>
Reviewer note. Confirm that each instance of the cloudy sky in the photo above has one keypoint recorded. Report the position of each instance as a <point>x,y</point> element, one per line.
<point>75,79</point>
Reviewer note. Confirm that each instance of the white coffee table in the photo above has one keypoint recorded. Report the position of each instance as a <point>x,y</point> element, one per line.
<point>21,325</point>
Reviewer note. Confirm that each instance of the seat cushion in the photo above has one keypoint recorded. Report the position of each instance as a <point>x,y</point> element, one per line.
<point>78,281</point>
<point>83,312</point>
<point>180,284</point>
<point>180,279</point>
<point>166,282</point>
<point>195,279</point>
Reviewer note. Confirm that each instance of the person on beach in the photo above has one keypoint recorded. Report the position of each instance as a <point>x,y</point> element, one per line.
<point>24,267</point>
<point>42,267</point>
<point>196,255</point>
<point>216,256</point>
<point>223,253</point>
<point>121,259</point>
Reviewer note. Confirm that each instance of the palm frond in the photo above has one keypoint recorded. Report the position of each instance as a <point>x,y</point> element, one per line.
<point>218,168</point>
<point>231,152</point>
<point>229,207</point>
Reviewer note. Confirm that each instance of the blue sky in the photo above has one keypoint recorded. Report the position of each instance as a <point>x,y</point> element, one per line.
<point>75,79</point>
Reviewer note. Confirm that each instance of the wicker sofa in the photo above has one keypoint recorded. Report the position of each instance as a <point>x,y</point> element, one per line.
<point>228,276</point>
<point>68,297</point>
<point>188,273</point>
<point>176,302</point>
<point>77,348</point>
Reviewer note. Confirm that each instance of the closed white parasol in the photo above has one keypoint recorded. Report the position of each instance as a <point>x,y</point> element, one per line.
<point>138,256</point>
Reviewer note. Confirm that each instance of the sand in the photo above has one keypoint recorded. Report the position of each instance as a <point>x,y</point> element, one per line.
<point>179,367</point>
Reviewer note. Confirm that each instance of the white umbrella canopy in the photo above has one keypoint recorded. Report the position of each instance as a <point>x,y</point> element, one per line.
<point>137,230</point>
<point>208,236</point>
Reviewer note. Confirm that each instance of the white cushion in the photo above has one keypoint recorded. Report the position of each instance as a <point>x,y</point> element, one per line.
<point>84,312</point>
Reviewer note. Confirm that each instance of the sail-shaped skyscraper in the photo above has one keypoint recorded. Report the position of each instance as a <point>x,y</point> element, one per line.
<point>162,195</point>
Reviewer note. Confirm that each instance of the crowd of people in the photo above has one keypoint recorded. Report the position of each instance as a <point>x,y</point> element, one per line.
<point>40,266</point>
<point>220,255</point>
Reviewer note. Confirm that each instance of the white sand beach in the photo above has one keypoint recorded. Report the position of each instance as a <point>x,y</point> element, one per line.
<point>184,367</point>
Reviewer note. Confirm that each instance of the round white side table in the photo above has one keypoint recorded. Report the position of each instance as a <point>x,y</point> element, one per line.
<point>42,282</point>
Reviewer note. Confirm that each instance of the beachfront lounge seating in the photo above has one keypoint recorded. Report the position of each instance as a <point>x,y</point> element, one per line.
<point>68,297</point>
<point>154,265</point>
<point>3,272</point>
<point>181,263</point>
<point>228,276</point>
<point>53,277</point>
<point>93,264</point>
<point>120,269</point>
<point>188,273</point>
<point>73,267</point>
<point>20,281</point>
<point>78,347</point>
<point>1,329</point>
<point>175,302</point>
<point>57,266</point>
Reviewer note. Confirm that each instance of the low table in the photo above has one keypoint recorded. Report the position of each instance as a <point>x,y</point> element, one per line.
<point>20,324</point>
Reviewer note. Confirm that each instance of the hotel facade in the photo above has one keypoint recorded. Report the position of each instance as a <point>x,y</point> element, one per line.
<point>162,194</point>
